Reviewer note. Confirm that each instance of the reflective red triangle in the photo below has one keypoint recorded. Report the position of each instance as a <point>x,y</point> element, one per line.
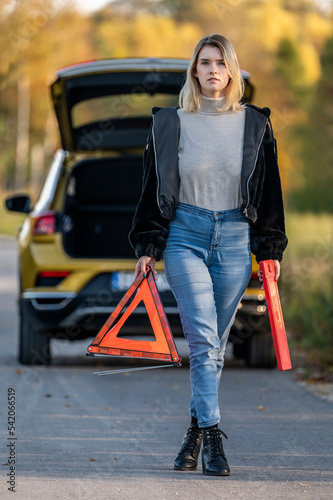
<point>162,348</point>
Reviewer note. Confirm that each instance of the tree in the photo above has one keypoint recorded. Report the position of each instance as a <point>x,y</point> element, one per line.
<point>316,139</point>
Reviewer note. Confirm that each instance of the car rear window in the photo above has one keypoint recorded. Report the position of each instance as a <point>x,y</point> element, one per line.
<point>118,106</point>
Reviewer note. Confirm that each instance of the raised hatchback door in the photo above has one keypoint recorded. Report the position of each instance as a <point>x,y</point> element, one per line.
<point>105,105</point>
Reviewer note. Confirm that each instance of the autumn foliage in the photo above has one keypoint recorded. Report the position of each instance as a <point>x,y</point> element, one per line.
<point>285,45</point>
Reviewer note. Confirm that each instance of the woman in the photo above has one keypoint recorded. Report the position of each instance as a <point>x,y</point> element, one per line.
<point>211,194</point>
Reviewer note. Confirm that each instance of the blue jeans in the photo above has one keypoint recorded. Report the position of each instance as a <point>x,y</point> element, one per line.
<point>207,262</point>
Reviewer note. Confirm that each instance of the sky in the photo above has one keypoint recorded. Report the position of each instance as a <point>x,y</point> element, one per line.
<point>92,5</point>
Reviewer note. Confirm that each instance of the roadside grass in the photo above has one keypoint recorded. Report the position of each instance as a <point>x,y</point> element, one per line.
<point>306,290</point>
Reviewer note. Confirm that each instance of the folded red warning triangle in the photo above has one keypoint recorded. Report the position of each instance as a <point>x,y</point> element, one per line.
<point>275,315</point>
<point>162,348</point>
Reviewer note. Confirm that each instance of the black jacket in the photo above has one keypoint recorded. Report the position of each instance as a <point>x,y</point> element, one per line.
<point>260,186</point>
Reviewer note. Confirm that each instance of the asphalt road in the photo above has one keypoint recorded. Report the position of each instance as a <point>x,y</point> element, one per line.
<point>115,437</point>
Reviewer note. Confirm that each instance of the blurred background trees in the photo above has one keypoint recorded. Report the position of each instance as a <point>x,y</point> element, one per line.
<point>286,46</point>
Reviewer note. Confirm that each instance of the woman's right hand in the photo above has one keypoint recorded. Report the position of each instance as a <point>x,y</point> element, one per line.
<point>142,263</point>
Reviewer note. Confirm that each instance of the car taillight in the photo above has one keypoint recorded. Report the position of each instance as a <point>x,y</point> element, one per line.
<point>54,274</point>
<point>254,281</point>
<point>51,278</point>
<point>44,223</point>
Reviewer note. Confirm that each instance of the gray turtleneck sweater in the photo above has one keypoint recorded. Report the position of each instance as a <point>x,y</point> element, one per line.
<point>210,156</point>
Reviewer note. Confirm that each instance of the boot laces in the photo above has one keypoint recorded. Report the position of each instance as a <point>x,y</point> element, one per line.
<point>215,440</point>
<point>190,440</point>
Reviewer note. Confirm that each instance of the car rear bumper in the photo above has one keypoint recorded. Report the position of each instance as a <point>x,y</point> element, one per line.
<point>81,315</point>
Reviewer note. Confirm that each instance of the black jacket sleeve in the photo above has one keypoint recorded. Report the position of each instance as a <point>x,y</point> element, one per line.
<point>268,238</point>
<point>150,230</point>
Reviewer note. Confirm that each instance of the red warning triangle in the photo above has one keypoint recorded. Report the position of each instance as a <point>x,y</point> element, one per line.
<point>162,348</point>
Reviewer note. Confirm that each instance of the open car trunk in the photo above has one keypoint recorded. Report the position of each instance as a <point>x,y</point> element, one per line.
<point>101,198</point>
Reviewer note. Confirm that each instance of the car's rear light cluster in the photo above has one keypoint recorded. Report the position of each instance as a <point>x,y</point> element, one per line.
<point>254,281</point>
<point>51,278</point>
<point>44,223</point>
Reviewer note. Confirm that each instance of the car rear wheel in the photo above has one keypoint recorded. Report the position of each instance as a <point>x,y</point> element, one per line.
<point>260,350</point>
<point>34,346</point>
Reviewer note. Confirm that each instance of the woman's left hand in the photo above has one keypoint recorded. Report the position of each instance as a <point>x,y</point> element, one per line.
<point>277,268</point>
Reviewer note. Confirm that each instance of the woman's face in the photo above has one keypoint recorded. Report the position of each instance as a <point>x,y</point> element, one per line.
<point>211,72</point>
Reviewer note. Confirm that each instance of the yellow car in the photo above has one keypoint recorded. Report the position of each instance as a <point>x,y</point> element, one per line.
<point>75,258</point>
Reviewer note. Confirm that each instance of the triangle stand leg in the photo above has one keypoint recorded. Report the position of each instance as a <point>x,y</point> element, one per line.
<point>123,370</point>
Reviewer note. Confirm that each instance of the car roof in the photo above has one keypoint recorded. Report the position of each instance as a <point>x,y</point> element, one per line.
<point>132,64</point>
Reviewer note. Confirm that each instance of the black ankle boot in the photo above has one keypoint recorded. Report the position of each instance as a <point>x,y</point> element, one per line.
<point>187,458</point>
<point>214,462</point>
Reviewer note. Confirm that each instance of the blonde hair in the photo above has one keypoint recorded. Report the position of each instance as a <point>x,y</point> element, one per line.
<point>190,94</point>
